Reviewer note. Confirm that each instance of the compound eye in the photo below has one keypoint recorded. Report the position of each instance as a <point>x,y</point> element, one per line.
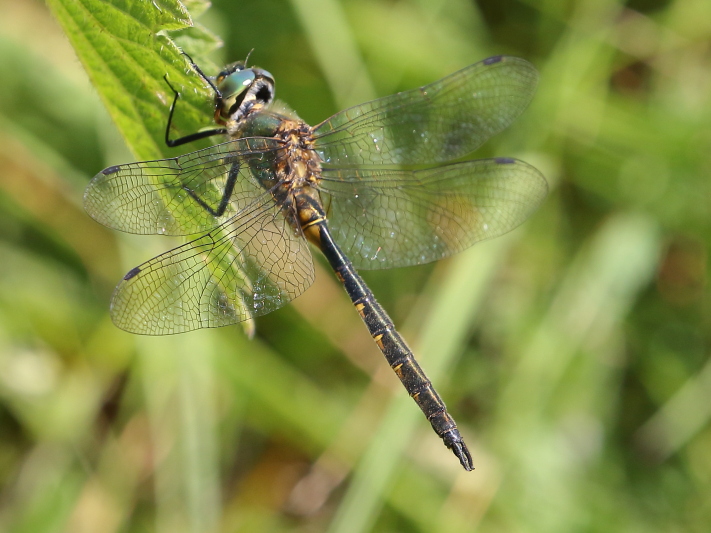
<point>242,91</point>
<point>234,86</point>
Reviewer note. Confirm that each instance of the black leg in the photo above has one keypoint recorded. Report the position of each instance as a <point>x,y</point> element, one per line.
<point>193,136</point>
<point>206,79</point>
<point>227,194</point>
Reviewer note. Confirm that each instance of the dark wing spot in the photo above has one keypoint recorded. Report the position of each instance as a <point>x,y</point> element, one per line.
<point>492,60</point>
<point>132,273</point>
<point>505,160</point>
<point>111,170</point>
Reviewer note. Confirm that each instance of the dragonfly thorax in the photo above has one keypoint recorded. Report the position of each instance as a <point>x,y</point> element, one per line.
<point>242,91</point>
<point>300,166</point>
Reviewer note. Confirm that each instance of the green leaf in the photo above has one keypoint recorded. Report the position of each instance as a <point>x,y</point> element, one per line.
<point>196,7</point>
<point>126,51</point>
<point>199,40</point>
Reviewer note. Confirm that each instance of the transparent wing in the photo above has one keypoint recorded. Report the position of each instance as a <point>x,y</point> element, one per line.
<point>250,266</point>
<point>163,197</point>
<point>394,218</point>
<point>438,122</point>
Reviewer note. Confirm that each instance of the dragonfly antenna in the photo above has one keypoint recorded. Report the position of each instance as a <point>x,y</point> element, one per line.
<point>246,59</point>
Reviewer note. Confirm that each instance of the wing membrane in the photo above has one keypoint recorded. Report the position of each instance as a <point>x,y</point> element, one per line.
<point>435,123</point>
<point>394,218</point>
<point>252,265</point>
<point>154,197</point>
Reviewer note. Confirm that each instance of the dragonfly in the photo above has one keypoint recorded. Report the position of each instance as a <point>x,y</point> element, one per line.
<point>372,187</point>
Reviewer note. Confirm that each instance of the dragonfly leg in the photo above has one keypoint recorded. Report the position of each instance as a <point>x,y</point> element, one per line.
<point>226,195</point>
<point>193,136</point>
<point>205,78</point>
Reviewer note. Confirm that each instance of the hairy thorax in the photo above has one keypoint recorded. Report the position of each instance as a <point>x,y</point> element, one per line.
<point>301,166</point>
<point>293,180</point>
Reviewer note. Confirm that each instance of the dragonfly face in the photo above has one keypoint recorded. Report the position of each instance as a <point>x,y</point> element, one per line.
<point>351,185</point>
<point>240,89</point>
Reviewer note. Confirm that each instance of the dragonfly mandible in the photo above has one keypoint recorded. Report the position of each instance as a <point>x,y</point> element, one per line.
<point>369,187</point>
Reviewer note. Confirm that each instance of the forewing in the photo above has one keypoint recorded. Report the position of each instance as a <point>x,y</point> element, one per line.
<point>159,197</point>
<point>395,218</point>
<point>438,122</point>
<point>252,265</point>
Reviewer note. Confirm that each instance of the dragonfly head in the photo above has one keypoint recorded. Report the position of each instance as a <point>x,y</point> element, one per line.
<point>242,89</point>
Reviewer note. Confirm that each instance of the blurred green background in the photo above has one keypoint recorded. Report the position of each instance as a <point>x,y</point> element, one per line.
<point>573,352</point>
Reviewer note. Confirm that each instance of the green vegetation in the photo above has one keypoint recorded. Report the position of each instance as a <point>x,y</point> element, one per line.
<point>573,352</point>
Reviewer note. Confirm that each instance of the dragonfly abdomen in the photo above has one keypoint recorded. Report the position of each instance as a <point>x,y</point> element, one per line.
<point>396,351</point>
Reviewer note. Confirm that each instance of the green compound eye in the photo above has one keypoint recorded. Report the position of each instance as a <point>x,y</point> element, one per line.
<point>236,83</point>
<point>242,88</point>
